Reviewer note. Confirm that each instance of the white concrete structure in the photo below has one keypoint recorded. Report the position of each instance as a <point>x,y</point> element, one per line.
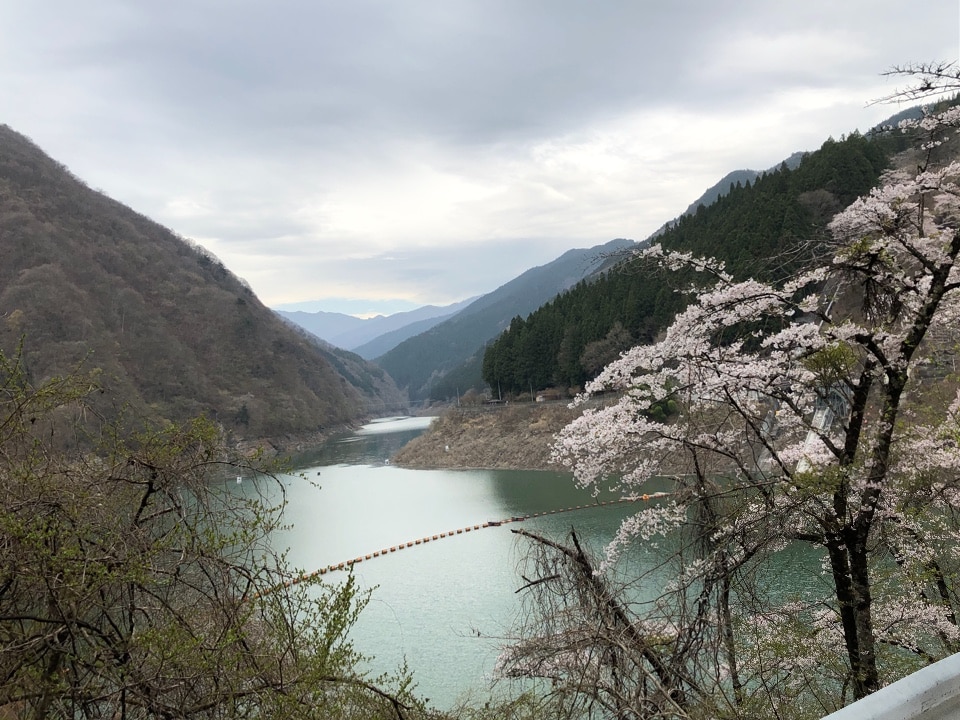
<point>929,694</point>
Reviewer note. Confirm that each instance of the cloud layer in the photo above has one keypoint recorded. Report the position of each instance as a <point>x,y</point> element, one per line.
<point>421,152</point>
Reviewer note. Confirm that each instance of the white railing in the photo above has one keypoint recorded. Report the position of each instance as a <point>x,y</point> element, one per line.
<point>932,693</point>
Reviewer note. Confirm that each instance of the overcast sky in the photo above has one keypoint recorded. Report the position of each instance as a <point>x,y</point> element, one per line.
<point>399,153</point>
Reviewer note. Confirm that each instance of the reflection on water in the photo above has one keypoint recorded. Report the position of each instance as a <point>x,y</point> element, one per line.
<point>393,425</point>
<point>373,444</point>
<point>439,606</point>
<point>443,606</point>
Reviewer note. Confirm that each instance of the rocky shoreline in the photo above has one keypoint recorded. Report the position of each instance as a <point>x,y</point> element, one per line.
<point>515,437</point>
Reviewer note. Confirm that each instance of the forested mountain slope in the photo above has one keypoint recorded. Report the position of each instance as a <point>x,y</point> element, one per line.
<point>420,363</point>
<point>87,281</point>
<point>760,230</point>
<point>387,341</point>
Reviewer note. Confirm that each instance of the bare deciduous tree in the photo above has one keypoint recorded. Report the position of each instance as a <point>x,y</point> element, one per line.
<point>136,582</point>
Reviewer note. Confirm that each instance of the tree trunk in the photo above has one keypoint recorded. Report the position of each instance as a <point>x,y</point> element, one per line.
<point>848,563</point>
<point>866,678</point>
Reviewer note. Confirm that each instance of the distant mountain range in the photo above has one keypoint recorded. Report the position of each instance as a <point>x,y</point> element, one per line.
<point>445,359</point>
<point>370,337</point>
<point>421,349</point>
<point>441,357</point>
<point>87,282</point>
<point>436,352</point>
<point>420,363</point>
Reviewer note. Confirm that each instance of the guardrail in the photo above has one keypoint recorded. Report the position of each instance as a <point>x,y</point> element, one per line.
<point>932,693</point>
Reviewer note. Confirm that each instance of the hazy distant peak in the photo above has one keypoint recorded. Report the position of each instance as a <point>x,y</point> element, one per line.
<point>353,333</point>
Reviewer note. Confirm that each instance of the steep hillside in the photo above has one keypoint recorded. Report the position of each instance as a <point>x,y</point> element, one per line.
<point>721,188</point>
<point>739,177</point>
<point>757,229</point>
<point>87,281</point>
<point>386,342</point>
<point>420,363</point>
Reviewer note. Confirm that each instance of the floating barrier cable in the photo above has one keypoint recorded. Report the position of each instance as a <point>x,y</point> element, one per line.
<point>347,564</point>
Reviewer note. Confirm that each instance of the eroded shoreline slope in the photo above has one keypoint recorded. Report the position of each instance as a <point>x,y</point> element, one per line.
<point>512,437</point>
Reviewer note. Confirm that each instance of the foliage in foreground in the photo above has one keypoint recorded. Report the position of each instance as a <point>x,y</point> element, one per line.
<point>135,583</point>
<point>808,425</point>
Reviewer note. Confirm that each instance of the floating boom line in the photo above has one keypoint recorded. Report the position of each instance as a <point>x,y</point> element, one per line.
<point>348,564</point>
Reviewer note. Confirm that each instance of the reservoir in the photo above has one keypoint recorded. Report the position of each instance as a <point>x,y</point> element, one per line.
<point>446,607</point>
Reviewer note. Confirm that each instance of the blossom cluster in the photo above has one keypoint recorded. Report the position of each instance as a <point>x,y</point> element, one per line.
<point>791,420</point>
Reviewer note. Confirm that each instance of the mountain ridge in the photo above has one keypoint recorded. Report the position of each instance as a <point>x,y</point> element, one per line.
<point>352,333</point>
<point>89,283</point>
<point>765,229</point>
<point>420,362</point>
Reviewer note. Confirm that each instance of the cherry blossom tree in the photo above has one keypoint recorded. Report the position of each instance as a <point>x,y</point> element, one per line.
<point>813,420</point>
<point>924,80</point>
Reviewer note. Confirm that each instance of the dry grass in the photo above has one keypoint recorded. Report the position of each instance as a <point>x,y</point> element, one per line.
<point>515,437</point>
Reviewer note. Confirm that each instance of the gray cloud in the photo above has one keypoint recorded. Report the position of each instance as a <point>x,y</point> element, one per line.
<point>398,150</point>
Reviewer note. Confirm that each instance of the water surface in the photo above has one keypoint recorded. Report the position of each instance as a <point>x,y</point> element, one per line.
<point>444,606</point>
